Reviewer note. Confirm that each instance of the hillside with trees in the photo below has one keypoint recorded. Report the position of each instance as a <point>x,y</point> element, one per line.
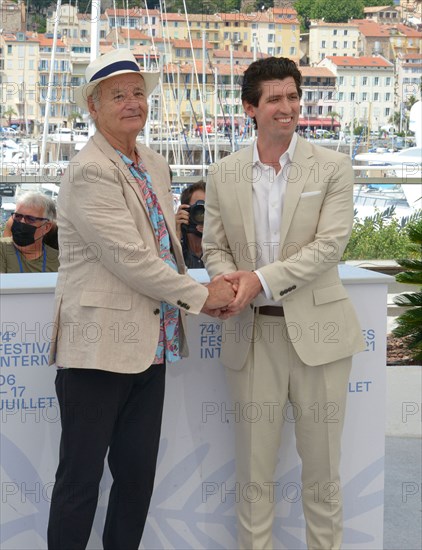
<point>332,11</point>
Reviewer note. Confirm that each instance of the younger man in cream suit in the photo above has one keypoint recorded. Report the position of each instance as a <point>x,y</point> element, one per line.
<point>278,217</point>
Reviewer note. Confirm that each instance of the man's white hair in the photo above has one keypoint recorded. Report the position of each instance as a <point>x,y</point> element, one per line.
<point>38,200</point>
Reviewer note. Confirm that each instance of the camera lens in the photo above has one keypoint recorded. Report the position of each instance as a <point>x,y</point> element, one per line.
<point>196,213</point>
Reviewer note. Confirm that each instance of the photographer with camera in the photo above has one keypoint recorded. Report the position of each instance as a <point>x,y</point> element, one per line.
<point>189,224</point>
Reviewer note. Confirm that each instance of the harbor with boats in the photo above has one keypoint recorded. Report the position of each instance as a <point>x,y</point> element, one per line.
<point>377,188</point>
<point>383,180</point>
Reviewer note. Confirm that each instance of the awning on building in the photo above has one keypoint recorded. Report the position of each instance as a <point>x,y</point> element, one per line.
<point>318,123</point>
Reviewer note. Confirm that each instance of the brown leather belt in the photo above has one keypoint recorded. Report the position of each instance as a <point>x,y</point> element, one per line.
<point>275,311</point>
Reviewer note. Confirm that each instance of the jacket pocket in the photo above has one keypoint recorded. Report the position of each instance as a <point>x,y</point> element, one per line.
<point>310,194</point>
<point>329,294</point>
<point>110,300</point>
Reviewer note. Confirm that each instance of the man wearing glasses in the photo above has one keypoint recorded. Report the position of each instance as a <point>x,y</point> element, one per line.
<point>26,251</point>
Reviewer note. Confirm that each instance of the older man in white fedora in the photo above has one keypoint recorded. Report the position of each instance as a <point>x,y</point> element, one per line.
<point>122,294</point>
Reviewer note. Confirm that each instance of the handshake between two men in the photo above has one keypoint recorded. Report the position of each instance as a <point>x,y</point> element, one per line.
<point>229,294</point>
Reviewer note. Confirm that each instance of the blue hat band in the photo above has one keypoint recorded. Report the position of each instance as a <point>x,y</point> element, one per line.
<point>115,67</point>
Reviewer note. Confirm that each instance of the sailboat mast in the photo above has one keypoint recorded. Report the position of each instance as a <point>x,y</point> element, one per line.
<point>95,44</point>
<point>50,86</point>
<point>215,97</point>
<point>232,96</point>
<point>204,121</point>
<point>95,29</point>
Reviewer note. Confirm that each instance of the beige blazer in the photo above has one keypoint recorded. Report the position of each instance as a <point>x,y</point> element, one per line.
<point>315,226</point>
<point>111,280</point>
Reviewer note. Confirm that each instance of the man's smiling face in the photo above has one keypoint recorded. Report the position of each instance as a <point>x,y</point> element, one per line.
<point>278,110</point>
<point>119,105</point>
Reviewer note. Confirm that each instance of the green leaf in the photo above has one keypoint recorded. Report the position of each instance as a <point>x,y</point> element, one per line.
<point>407,277</point>
<point>410,264</point>
<point>411,298</point>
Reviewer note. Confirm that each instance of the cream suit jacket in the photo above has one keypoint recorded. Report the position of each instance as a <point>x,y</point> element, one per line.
<point>111,279</point>
<point>316,222</point>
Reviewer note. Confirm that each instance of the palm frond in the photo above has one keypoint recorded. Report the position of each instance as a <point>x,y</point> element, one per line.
<point>409,299</point>
<point>409,263</point>
<point>409,277</point>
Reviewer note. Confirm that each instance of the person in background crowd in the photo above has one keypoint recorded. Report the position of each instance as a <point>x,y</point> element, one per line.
<point>26,250</point>
<point>278,217</point>
<point>189,224</point>
<point>122,275</point>
<point>51,238</point>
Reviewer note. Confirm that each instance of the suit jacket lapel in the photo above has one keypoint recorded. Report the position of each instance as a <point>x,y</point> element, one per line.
<point>243,179</point>
<point>157,179</point>
<point>146,158</point>
<point>300,169</point>
<point>109,151</point>
<point>158,185</point>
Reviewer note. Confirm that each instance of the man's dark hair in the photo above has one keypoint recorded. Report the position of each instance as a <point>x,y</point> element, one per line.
<point>187,193</point>
<point>270,68</point>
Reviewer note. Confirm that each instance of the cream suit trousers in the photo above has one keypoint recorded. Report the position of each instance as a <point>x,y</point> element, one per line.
<point>272,376</point>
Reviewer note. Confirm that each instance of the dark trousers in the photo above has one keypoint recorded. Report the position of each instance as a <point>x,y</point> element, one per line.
<point>103,411</point>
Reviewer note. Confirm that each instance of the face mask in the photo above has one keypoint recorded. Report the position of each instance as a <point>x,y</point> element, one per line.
<point>23,233</point>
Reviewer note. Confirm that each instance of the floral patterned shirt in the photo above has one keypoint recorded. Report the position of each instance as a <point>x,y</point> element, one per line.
<point>168,344</point>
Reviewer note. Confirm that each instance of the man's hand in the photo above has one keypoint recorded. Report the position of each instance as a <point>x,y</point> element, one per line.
<point>220,295</point>
<point>182,217</point>
<point>247,286</point>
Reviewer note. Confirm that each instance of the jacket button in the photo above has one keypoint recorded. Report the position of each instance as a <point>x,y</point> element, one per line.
<point>156,311</point>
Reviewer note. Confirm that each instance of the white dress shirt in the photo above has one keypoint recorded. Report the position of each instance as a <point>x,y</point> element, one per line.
<point>268,191</point>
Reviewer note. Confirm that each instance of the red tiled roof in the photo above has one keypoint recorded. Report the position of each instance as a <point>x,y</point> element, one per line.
<point>322,72</point>
<point>372,28</point>
<point>173,17</point>
<point>287,10</point>
<point>29,37</point>
<point>410,55</point>
<point>197,44</point>
<point>44,41</point>
<point>363,61</point>
<point>407,31</point>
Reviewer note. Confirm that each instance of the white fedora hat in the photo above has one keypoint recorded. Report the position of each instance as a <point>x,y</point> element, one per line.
<point>108,65</point>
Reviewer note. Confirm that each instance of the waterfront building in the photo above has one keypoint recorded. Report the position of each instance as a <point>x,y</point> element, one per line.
<point>332,39</point>
<point>365,90</point>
